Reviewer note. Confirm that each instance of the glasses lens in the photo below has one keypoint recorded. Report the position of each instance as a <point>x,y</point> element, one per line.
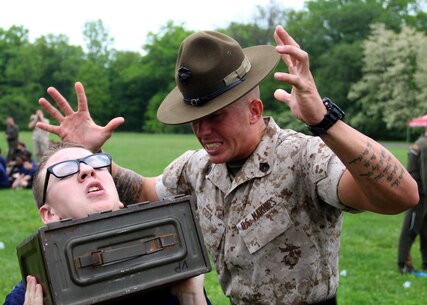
<point>65,168</point>
<point>97,160</point>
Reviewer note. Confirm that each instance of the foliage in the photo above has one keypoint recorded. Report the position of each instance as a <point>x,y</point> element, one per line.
<point>132,84</point>
<point>333,33</point>
<point>159,70</point>
<point>389,91</point>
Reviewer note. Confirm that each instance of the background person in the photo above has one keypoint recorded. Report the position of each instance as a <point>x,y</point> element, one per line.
<point>4,174</point>
<point>270,201</point>
<point>89,180</point>
<point>40,137</point>
<point>415,220</point>
<point>12,138</point>
<point>22,172</point>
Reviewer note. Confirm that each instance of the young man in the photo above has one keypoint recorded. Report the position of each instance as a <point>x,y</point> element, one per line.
<point>270,201</point>
<point>74,170</point>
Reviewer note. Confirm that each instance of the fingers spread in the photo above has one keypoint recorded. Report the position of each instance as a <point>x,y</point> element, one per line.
<point>52,110</point>
<point>293,80</point>
<point>284,38</point>
<point>60,101</point>
<point>114,123</point>
<point>282,96</point>
<point>295,53</point>
<point>81,97</point>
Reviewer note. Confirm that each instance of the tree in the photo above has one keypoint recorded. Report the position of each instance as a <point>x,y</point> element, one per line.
<point>93,73</point>
<point>19,74</point>
<point>388,92</point>
<point>159,72</point>
<point>60,64</point>
<point>332,32</point>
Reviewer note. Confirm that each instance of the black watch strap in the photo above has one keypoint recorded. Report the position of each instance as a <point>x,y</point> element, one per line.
<point>331,117</point>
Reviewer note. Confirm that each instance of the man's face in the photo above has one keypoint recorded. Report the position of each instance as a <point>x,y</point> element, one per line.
<point>225,134</point>
<point>86,192</point>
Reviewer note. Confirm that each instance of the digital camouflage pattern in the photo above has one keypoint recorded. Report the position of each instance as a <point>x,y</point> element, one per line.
<point>273,240</point>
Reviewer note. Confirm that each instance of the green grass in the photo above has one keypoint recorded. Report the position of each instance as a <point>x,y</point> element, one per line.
<point>368,244</point>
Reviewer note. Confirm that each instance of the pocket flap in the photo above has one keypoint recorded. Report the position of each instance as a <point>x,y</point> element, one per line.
<point>263,224</point>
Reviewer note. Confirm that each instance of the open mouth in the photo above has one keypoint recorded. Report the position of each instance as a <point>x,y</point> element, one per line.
<point>93,189</point>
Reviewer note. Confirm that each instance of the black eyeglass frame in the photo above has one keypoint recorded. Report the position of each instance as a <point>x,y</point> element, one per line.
<point>49,170</point>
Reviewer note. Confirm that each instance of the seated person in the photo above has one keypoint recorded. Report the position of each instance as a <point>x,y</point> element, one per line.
<point>22,172</point>
<point>2,160</point>
<point>75,170</point>
<point>4,175</point>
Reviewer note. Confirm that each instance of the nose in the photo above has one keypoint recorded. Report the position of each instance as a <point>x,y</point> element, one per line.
<point>86,171</point>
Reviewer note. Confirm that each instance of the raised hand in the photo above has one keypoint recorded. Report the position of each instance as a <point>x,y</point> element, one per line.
<point>76,127</point>
<point>304,99</point>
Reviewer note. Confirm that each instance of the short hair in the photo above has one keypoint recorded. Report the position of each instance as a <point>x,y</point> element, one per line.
<point>38,183</point>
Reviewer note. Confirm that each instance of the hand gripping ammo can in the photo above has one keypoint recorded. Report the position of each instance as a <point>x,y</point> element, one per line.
<point>111,255</point>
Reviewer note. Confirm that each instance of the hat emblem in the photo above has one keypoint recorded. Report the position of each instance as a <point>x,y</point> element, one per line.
<point>184,75</point>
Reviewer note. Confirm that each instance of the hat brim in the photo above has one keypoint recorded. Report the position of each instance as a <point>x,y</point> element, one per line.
<point>173,110</point>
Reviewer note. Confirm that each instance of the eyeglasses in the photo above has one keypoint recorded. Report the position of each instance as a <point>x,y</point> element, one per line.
<point>70,167</point>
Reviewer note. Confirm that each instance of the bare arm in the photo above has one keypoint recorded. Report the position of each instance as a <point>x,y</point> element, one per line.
<point>190,292</point>
<point>374,180</point>
<point>133,187</point>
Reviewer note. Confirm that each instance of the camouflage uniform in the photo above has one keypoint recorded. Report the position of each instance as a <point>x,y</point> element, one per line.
<point>272,238</point>
<point>12,137</point>
<point>40,138</point>
<point>415,220</point>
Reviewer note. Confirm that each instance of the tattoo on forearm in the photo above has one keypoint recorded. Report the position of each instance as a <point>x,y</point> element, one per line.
<point>129,185</point>
<point>379,166</point>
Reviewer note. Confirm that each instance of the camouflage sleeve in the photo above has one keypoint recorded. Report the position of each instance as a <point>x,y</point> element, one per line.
<point>327,188</point>
<point>174,179</point>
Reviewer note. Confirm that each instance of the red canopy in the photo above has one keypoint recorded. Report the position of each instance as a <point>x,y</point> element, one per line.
<point>418,122</point>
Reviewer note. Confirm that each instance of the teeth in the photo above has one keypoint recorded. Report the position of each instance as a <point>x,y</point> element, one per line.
<point>212,145</point>
<point>93,189</point>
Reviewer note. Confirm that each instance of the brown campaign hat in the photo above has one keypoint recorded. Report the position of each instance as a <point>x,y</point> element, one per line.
<point>213,71</point>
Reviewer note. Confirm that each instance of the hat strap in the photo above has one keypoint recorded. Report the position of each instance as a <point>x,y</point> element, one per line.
<point>230,81</point>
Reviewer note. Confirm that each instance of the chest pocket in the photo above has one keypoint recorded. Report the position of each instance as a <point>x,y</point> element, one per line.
<point>263,224</point>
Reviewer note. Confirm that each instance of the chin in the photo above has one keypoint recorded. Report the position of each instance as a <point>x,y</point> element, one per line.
<point>217,159</point>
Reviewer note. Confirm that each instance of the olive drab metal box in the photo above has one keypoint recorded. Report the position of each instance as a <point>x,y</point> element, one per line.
<point>110,255</point>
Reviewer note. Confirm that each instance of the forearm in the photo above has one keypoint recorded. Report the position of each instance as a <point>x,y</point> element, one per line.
<point>377,181</point>
<point>187,298</point>
<point>190,291</point>
<point>132,187</point>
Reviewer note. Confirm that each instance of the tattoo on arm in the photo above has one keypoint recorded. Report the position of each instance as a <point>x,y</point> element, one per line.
<point>379,166</point>
<point>129,185</point>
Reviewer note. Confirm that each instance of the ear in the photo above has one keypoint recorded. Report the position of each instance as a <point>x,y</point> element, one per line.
<point>48,214</point>
<point>256,108</point>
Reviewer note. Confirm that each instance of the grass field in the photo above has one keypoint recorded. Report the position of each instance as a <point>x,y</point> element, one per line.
<point>368,244</point>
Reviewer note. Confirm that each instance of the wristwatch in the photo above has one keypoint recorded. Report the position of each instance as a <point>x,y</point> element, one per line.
<point>331,117</point>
